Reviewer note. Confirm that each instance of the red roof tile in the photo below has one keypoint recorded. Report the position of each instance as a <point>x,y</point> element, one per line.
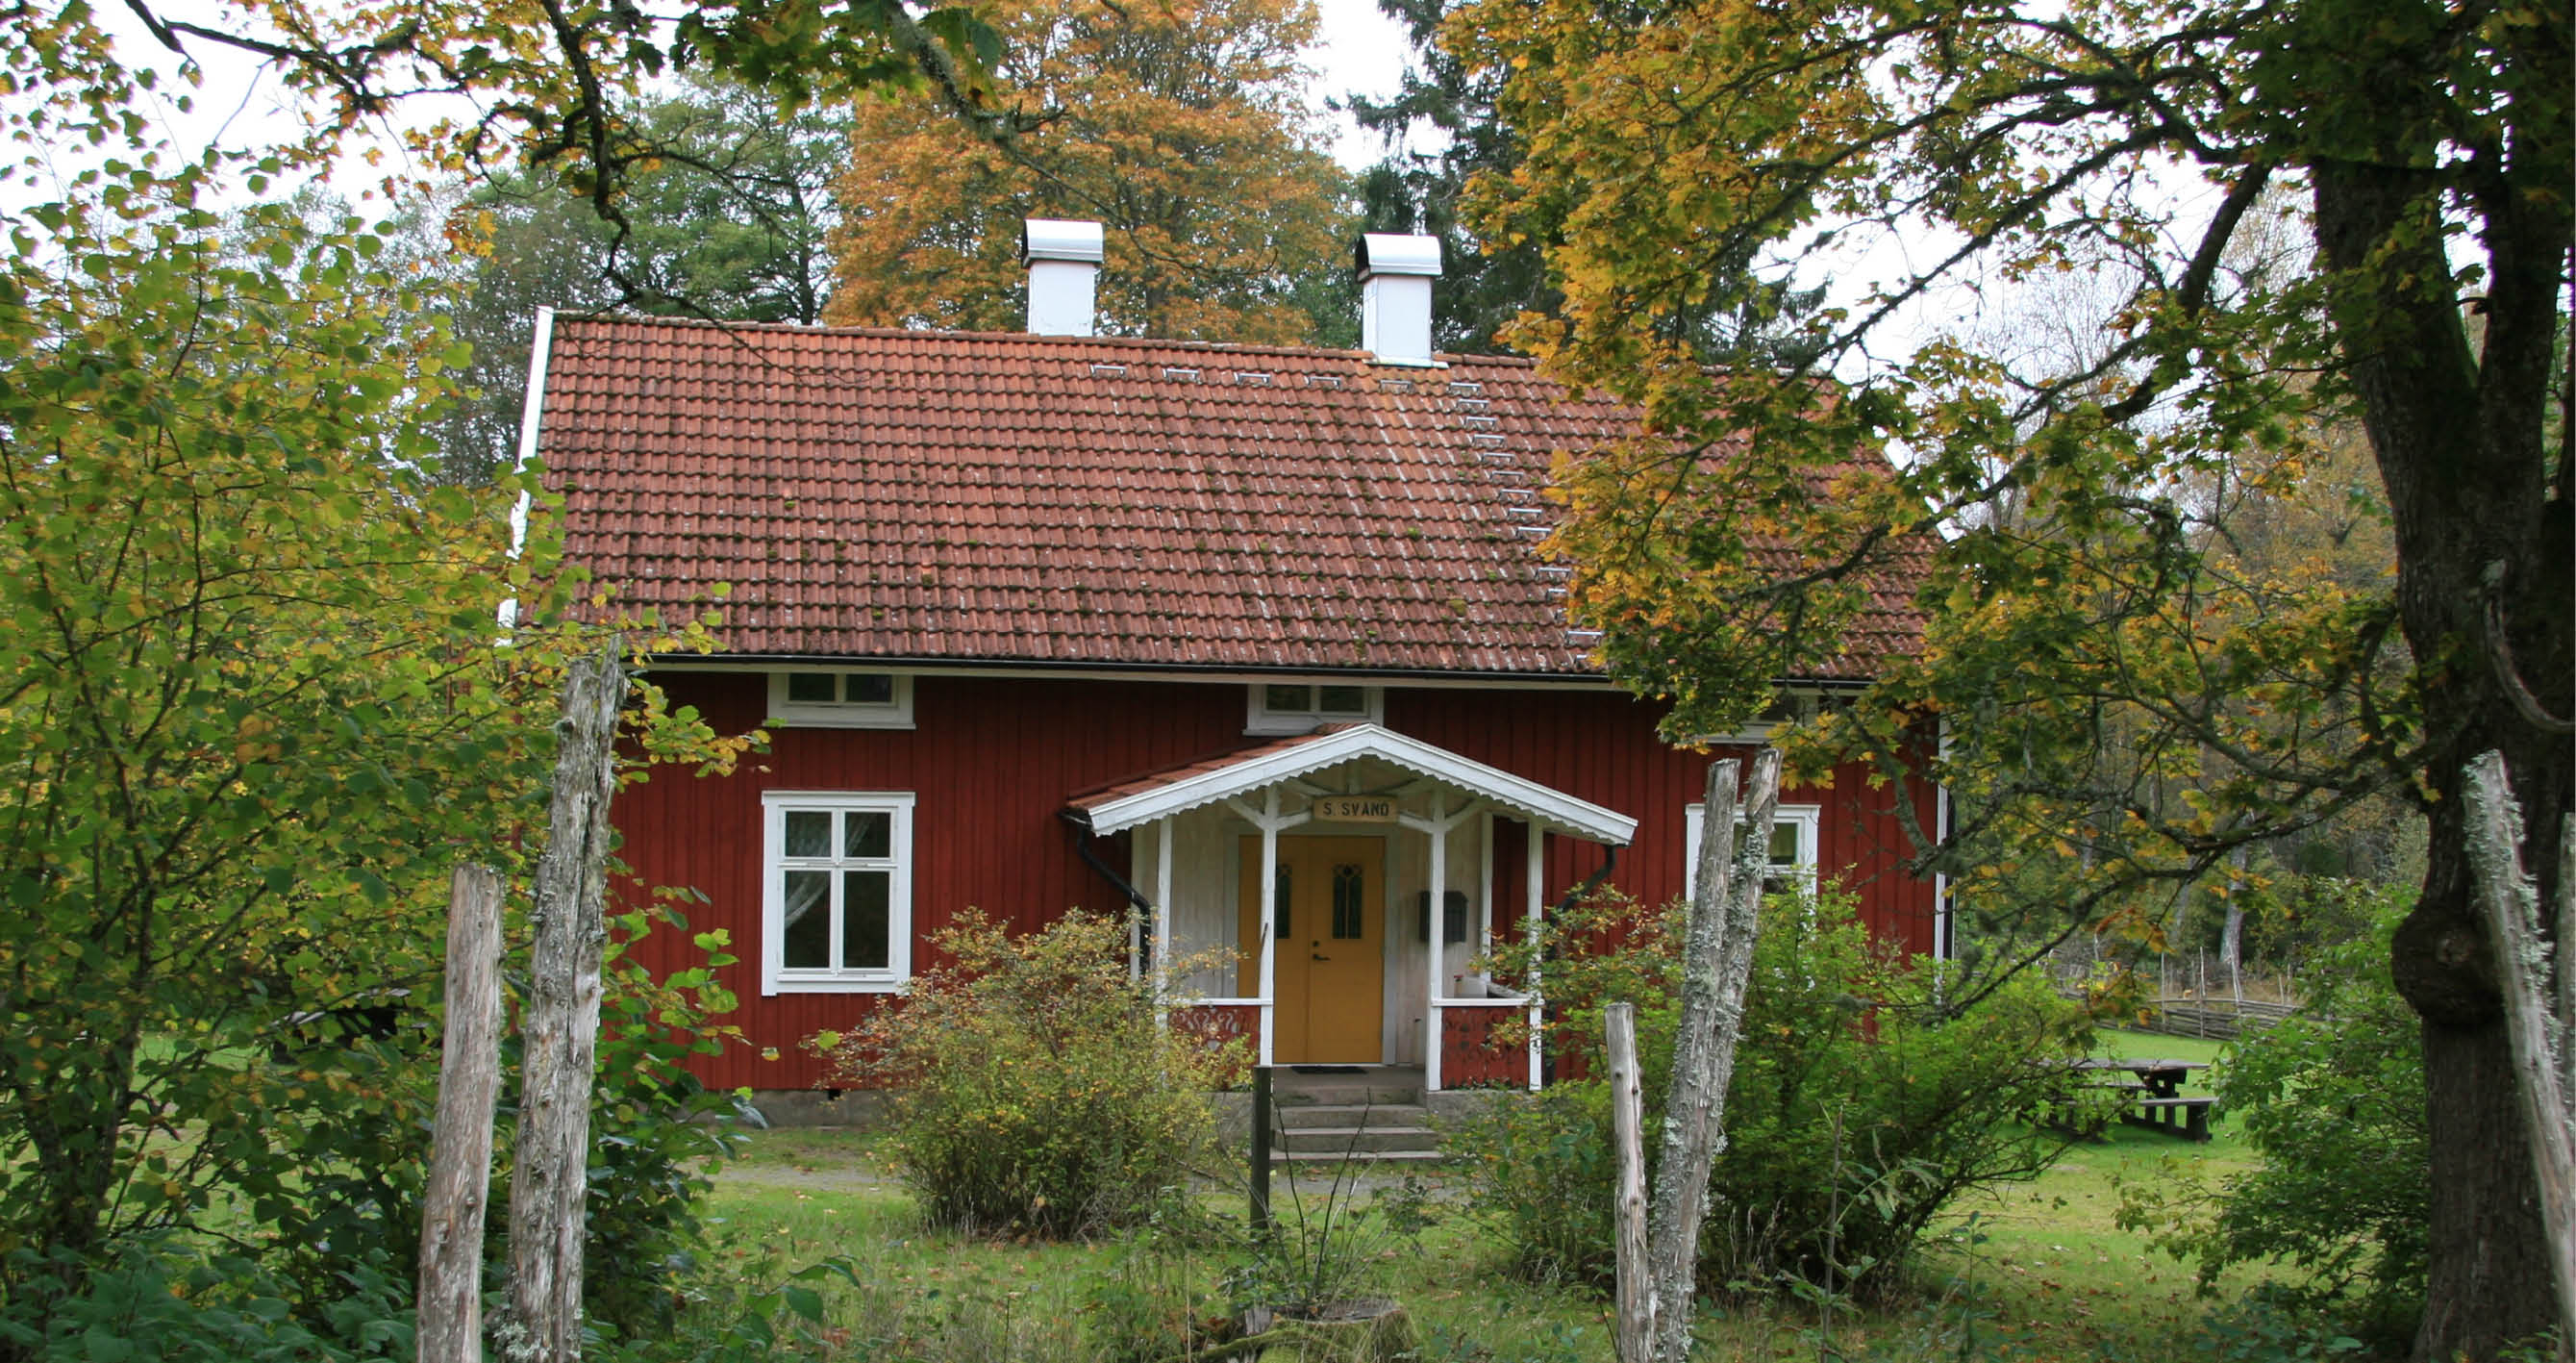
<point>1083,802</point>
<point>903,495</point>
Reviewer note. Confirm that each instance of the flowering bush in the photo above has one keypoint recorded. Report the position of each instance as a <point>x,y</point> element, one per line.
<point>1033,1084</point>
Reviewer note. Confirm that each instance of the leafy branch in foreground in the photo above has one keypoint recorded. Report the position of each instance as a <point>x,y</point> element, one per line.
<point>2129,700</point>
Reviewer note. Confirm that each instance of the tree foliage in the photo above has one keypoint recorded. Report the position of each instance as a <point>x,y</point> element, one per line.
<point>2334,1100</point>
<point>2137,142</point>
<point>1487,280</point>
<point>1178,124</point>
<point>564,90</point>
<point>1849,1131</point>
<point>255,699</point>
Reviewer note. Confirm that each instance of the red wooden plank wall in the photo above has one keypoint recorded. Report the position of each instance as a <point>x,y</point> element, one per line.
<point>1470,1056</point>
<point>991,761</point>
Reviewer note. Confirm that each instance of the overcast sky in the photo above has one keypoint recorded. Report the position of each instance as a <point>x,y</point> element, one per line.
<point>1362,51</point>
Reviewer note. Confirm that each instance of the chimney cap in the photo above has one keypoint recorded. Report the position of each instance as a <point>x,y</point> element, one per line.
<point>1384,253</point>
<point>1059,239</point>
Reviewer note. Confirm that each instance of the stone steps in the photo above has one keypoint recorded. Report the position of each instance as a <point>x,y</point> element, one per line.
<point>1370,1117</point>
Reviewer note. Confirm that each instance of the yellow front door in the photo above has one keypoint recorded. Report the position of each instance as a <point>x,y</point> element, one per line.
<point>1331,970</point>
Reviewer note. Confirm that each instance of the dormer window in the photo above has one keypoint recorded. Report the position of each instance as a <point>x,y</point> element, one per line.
<point>1299,707</point>
<point>840,698</point>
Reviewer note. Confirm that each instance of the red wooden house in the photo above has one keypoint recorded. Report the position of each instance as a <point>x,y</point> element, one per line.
<point>1228,636</point>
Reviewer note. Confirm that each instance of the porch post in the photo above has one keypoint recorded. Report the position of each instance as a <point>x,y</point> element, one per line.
<point>1485,883</point>
<point>1135,940</point>
<point>1269,918</point>
<point>1435,923</point>
<point>1530,880</point>
<point>1162,915</point>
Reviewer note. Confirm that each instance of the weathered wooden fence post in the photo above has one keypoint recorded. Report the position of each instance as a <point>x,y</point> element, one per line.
<point>1636,1327</point>
<point>460,1146</point>
<point>560,1030</point>
<point>2540,1023</point>
<point>1717,962</point>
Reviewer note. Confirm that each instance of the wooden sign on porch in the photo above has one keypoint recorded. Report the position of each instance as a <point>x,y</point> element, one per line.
<point>1355,808</point>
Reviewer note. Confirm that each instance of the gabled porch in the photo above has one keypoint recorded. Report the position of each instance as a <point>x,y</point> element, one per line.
<point>1295,881</point>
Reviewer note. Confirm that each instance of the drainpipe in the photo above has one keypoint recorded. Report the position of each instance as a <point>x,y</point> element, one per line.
<point>1138,905</point>
<point>1547,1061</point>
<point>1608,864</point>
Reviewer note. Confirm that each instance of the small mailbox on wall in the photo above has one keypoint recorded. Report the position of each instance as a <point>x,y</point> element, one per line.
<point>1453,921</point>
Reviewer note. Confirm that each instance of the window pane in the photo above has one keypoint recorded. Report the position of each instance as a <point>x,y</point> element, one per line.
<point>1343,700</point>
<point>809,833</point>
<point>1279,897</point>
<point>813,688</point>
<point>807,941</point>
<point>1784,844</point>
<point>1349,903</point>
<point>1286,699</point>
<point>868,833</point>
<point>865,943</point>
<point>870,688</point>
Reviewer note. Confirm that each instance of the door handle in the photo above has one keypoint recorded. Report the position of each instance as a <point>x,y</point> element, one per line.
<point>1319,956</point>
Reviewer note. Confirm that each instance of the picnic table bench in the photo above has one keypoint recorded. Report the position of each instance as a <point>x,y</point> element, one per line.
<point>2155,1090</point>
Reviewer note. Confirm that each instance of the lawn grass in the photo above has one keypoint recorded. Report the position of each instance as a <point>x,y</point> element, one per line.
<point>2034,1271</point>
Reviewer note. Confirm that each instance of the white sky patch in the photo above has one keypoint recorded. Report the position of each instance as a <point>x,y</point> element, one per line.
<point>1358,50</point>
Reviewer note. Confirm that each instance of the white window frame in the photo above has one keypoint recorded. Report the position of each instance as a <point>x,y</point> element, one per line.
<point>1810,821</point>
<point>894,713</point>
<point>775,977</point>
<point>1259,718</point>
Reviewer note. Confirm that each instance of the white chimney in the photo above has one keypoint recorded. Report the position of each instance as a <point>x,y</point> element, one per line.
<point>1064,261</point>
<point>1395,296</point>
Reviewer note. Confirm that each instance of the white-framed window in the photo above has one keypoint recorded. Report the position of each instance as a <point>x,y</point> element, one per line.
<point>836,891</point>
<point>1794,831</point>
<point>1297,707</point>
<point>840,698</point>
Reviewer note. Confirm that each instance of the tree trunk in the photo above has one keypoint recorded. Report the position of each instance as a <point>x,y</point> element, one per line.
<point>1635,1338</point>
<point>2539,1034</point>
<point>460,1146</point>
<point>560,1033</point>
<point>1717,961</point>
<point>2232,943</point>
<point>2484,543</point>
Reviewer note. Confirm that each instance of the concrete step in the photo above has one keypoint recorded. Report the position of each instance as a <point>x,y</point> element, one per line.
<point>1362,1157</point>
<point>1346,1091</point>
<point>1326,1140</point>
<point>1353,1114</point>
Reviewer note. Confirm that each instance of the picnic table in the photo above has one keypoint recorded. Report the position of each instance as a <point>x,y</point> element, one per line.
<point>2156,1089</point>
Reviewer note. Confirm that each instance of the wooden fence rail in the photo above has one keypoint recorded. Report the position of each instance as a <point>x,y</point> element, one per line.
<point>2214,1019</point>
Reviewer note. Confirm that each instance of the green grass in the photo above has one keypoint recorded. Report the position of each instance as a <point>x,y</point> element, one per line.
<point>2041,1269</point>
<point>2036,1271</point>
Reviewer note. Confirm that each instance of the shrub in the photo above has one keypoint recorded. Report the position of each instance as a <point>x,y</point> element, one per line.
<point>1859,1107</point>
<point>2334,1100</point>
<point>1034,1085</point>
<point>160,1298</point>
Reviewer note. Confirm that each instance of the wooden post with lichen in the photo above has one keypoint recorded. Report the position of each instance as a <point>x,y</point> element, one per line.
<point>1717,963</point>
<point>1636,1304</point>
<point>460,1145</point>
<point>2540,1021</point>
<point>560,1031</point>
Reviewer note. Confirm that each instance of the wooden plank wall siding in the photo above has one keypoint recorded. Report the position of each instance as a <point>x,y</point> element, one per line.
<point>991,760</point>
<point>1471,1057</point>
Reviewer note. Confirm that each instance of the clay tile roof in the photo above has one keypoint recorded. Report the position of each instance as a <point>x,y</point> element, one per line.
<point>924,496</point>
<point>1083,802</point>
